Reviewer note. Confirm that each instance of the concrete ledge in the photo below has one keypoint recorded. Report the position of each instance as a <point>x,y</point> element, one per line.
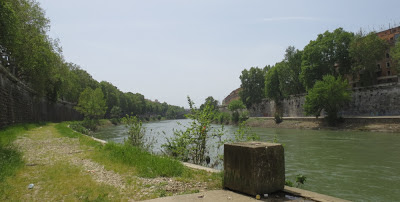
<point>194,166</point>
<point>311,195</point>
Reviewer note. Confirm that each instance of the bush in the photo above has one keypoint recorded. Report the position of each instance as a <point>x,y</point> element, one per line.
<point>278,118</point>
<point>243,116</point>
<point>90,124</point>
<point>115,121</point>
<point>78,127</point>
<point>222,118</point>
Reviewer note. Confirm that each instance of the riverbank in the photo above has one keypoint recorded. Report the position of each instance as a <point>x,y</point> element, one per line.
<point>59,164</point>
<point>373,124</point>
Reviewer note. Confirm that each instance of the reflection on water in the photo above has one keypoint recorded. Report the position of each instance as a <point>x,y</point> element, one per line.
<point>359,166</point>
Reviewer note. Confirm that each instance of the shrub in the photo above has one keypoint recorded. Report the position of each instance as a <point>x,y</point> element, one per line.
<point>278,118</point>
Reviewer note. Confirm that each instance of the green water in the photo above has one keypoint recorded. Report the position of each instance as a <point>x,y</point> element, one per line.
<point>358,166</point>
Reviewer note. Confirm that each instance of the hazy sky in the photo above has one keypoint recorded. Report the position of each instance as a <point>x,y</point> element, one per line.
<point>168,49</point>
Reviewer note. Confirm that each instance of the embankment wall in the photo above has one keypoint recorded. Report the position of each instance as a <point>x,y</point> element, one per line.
<point>20,104</point>
<point>380,100</point>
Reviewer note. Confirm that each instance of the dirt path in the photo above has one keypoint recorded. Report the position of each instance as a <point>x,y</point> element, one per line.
<point>49,158</point>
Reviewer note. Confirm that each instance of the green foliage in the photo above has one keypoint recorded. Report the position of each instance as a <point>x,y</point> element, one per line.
<point>244,134</point>
<point>10,158</point>
<point>289,77</point>
<point>330,94</point>
<point>252,86</point>
<point>212,102</point>
<point>300,180</point>
<point>92,103</point>
<point>222,117</point>
<point>146,164</point>
<point>78,127</point>
<point>190,144</point>
<point>365,51</point>
<point>235,107</point>
<point>243,116</point>
<point>136,133</point>
<point>320,57</point>
<point>115,112</point>
<point>278,118</point>
<point>395,53</point>
<point>272,84</point>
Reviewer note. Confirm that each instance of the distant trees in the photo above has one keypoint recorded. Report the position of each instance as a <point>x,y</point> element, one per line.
<point>327,60</point>
<point>212,102</point>
<point>35,58</point>
<point>252,86</point>
<point>92,104</point>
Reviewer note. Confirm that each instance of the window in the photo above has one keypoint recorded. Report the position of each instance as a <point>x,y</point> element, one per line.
<point>388,64</point>
<point>379,66</point>
<point>388,73</point>
<point>387,55</point>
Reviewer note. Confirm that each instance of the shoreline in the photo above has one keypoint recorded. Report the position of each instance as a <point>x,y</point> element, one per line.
<point>389,124</point>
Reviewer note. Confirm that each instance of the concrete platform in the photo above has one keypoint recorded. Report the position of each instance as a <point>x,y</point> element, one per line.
<point>288,194</point>
<point>215,195</point>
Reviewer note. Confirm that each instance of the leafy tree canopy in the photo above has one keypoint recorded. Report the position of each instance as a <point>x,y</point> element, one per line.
<point>322,56</point>
<point>252,86</point>
<point>212,102</point>
<point>236,105</point>
<point>330,94</point>
<point>365,51</point>
<point>92,103</point>
<point>395,53</point>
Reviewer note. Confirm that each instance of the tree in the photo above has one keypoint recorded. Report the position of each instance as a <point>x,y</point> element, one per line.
<point>328,54</point>
<point>92,104</point>
<point>273,87</point>
<point>252,86</point>
<point>365,51</point>
<point>395,53</point>
<point>290,76</point>
<point>111,95</point>
<point>235,106</point>
<point>330,94</point>
<point>210,100</point>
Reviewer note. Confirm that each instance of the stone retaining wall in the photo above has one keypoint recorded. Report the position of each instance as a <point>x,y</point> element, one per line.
<point>20,104</point>
<point>380,100</point>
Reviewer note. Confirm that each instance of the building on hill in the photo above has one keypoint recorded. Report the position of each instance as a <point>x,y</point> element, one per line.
<point>234,95</point>
<point>386,71</point>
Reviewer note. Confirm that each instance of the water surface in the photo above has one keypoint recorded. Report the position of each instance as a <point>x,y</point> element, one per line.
<point>359,166</point>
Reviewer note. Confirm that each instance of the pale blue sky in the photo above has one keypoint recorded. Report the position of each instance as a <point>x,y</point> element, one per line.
<point>168,49</point>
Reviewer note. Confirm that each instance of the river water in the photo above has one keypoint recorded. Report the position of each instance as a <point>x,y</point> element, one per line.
<point>358,166</point>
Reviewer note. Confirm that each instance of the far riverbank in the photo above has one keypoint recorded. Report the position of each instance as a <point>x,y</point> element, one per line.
<point>373,124</point>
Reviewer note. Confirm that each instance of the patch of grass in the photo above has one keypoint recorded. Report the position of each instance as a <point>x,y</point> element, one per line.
<point>10,157</point>
<point>59,182</point>
<point>146,164</point>
<point>65,131</point>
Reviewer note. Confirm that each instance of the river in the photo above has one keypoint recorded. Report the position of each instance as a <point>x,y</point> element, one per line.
<point>358,166</point>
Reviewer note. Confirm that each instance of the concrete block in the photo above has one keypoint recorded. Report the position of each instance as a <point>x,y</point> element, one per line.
<point>254,167</point>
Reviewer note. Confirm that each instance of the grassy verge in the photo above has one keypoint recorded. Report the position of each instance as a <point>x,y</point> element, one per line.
<point>145,164</point>
<point>10,157</point>
<point>126,159</point>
